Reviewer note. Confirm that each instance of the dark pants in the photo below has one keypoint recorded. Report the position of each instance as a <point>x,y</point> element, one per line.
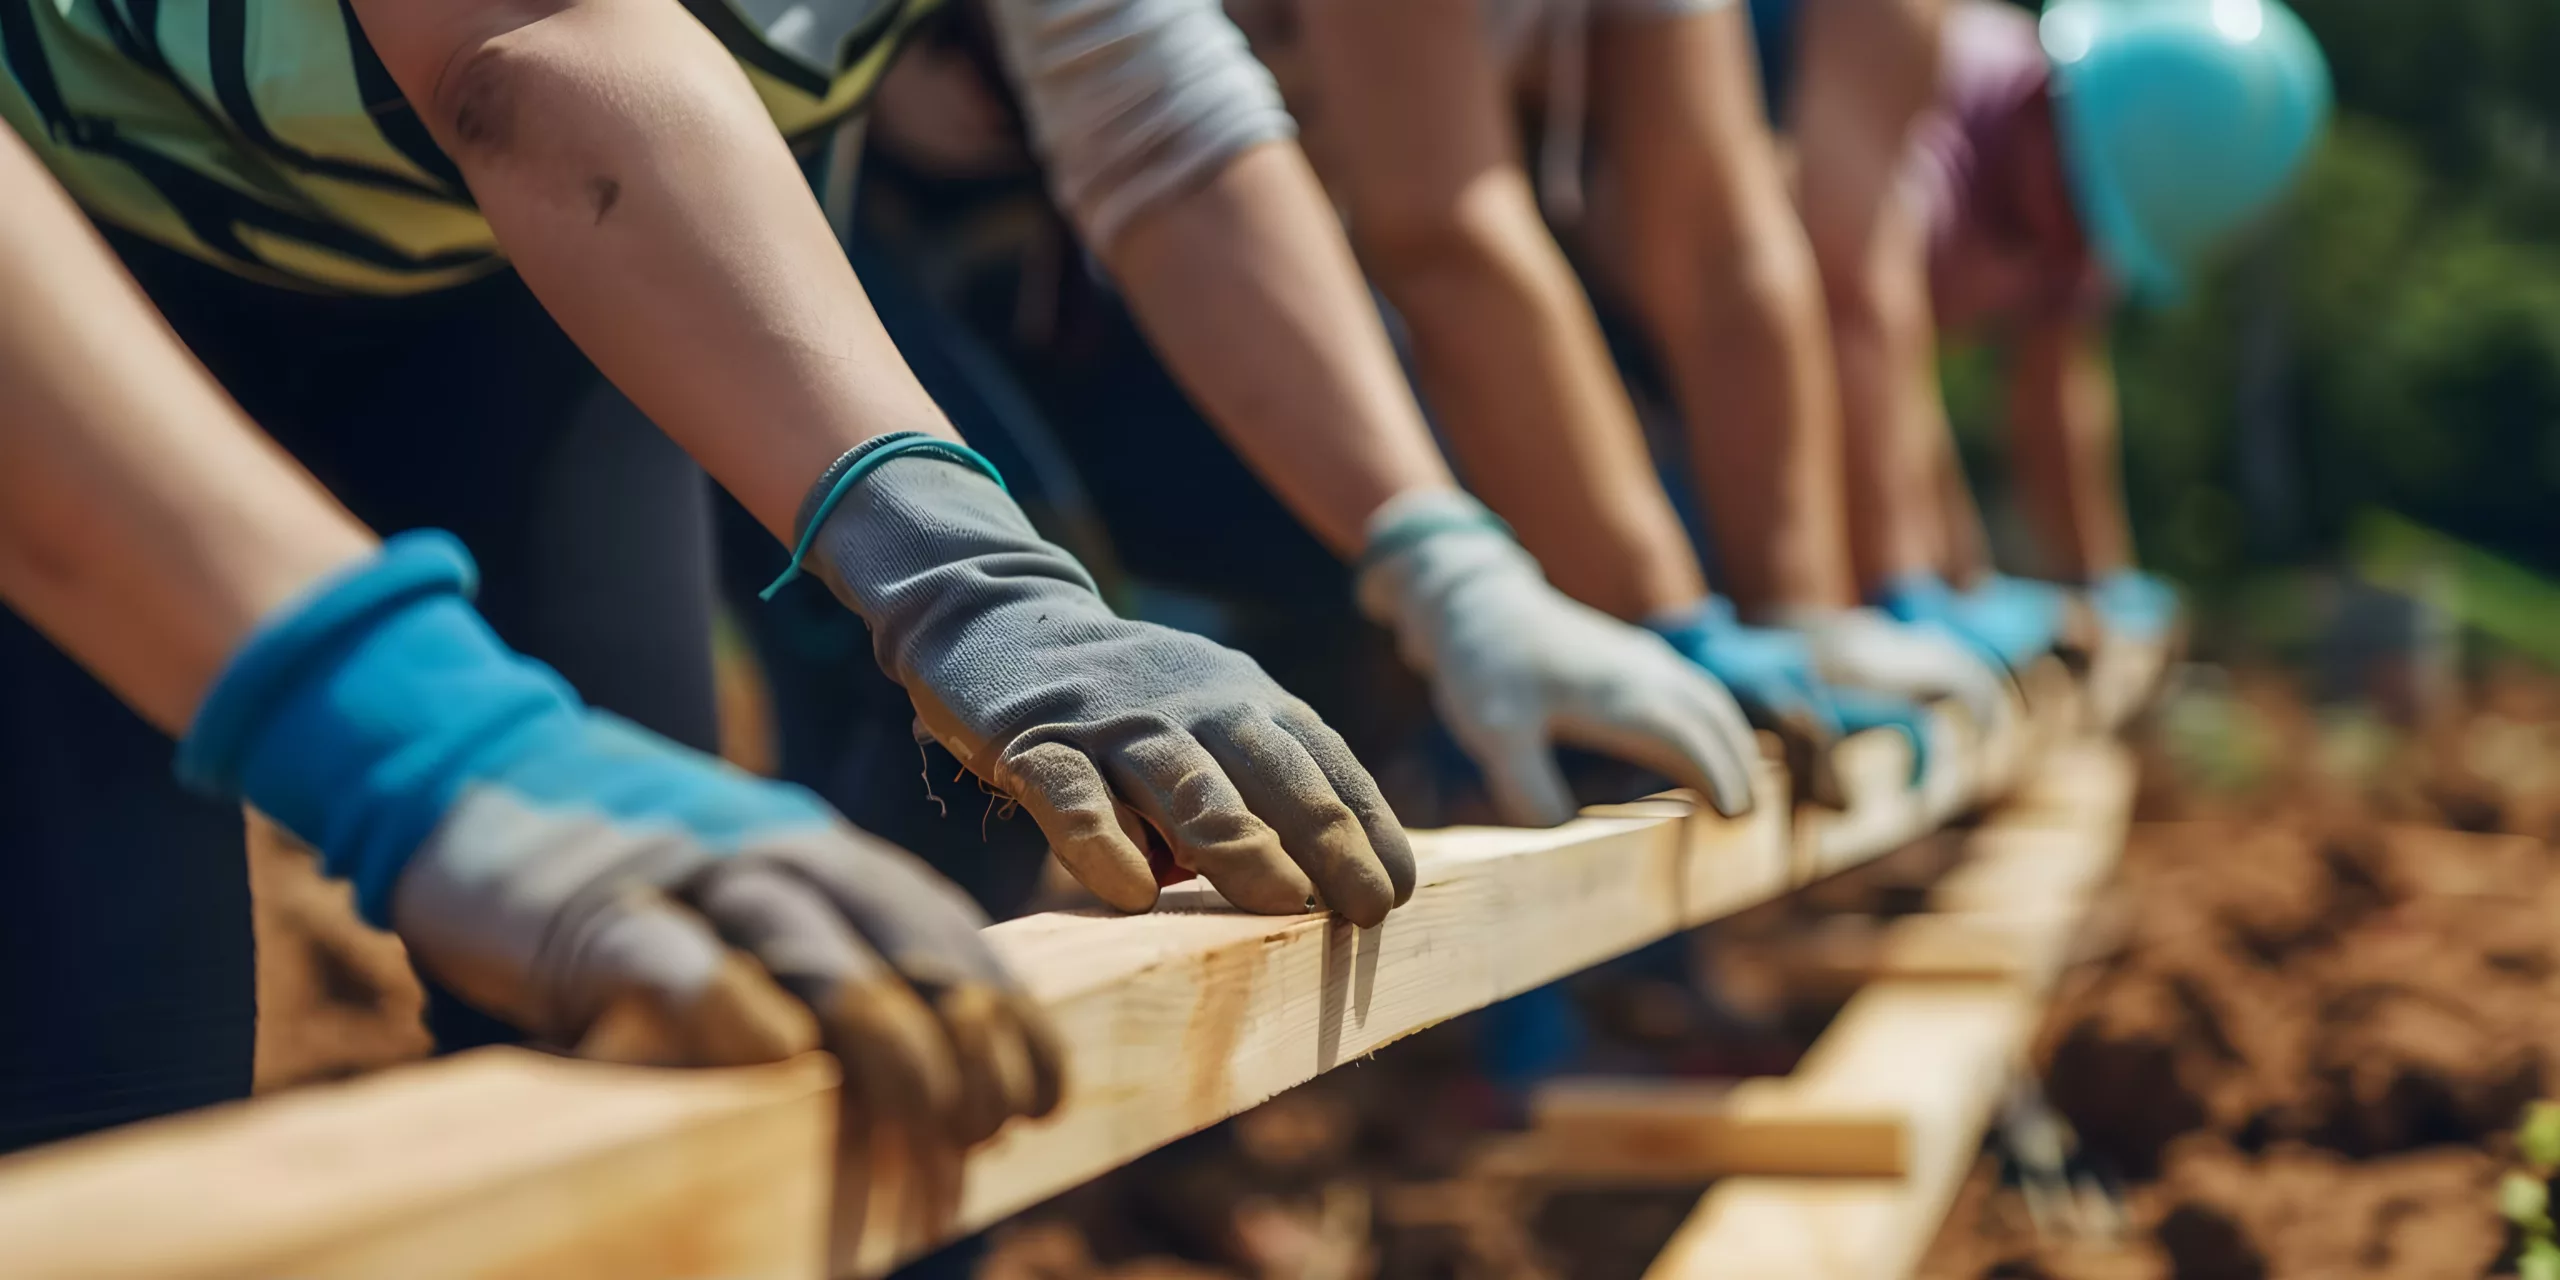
<point>126,963</point>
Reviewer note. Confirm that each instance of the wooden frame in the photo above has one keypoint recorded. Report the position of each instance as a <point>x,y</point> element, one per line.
<point>1173,1021</point>
<point>1931,1044</point>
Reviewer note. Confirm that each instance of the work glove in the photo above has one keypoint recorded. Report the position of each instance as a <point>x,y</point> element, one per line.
<point>1864,649</point>
<point>1113,734</point>
<point>562,869</point>
<point>1774,675</point>
<point>2135,605</point>
<point>1517,668</point>
<point>2009,621</point>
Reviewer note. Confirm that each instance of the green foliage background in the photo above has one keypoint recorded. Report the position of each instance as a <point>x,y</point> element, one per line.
<point>2391,337</point>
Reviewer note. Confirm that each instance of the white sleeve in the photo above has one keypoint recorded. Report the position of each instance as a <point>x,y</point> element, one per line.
<point>1132,102</point>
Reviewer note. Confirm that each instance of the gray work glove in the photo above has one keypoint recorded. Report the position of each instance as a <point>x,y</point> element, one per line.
<point>1516,668</point>
<point>615,933</point>
<point>1102,727</point>
<point>1867,649</point>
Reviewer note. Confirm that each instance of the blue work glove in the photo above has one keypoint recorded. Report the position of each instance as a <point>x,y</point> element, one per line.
<point>2135,605</point>
<point>2011,621</point>
<point>1865,649</point>
<point>1518,668</point>
<point>1773,674</point>
<point>554,865</point>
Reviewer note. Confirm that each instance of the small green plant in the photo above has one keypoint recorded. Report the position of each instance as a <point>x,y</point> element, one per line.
<point>2524,1196</point>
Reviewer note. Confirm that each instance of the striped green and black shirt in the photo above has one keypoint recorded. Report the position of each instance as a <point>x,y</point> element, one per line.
<point>265,137</point>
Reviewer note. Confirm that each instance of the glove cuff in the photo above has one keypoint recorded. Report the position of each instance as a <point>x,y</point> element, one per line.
<point>1411,519</point>
<point>1422,544</point>
<point>849,469</point>
<point>1916,597</point>
<point>1705,618</point>
<point>354,714</point>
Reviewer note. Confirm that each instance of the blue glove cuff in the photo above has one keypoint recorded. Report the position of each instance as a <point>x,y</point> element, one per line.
<point>1709,617</point>
<point>276,658</point>
<point>861,460</point>
<point>355,714</point>
<point>1916,597</point>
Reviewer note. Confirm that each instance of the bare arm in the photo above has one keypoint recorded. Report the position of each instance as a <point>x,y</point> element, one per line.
<point>145,525</point>
<point>2062,420</point>
<point>1717,262</point>
<point>1509,353</point>
<point>638,185</point>
<point>1869,70</point>
<point>1247,287</point>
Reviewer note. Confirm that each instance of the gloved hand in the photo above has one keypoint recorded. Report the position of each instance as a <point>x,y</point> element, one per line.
<point>2010,621</point>
<point>2135,605</point>
<point>548,862</point>
<point>1516,667</point>
<point>1103,728</point>
<point>1866,649</point>
<point>1773,674</point>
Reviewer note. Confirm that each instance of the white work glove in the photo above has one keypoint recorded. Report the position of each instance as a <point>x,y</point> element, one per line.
<point>1867,649</point>
<point>1517,668</point>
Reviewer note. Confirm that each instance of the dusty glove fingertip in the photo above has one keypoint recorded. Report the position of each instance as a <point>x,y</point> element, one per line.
<point>739,1018</point>
<point>1131,895</point>
<point>1733,797</point>
<point>1366,908</point>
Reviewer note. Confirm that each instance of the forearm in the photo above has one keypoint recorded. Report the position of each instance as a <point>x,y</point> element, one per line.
<point>640,189</point>
<point>1246,286</point>
<point>1752,366</point>
<point>1869,69</point>
<point>145,525</point>
<point>1512,360</point>
<point>1892,436</point>
<point>2063,423</point>
<point>1718,267</point>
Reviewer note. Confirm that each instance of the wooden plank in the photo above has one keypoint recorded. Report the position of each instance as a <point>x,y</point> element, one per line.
<point>2124,676</point>
<point>2021,946</point>
<point>500,1164</point>
<point>1885,810</point>
<point>1172,1021</point>
<point>1936,1051</point>
<point>1607,1131</point>
<point>1971,765</point>
<point>2028,870</point>
<point>2088,781</point>
<point>1178,1019</point>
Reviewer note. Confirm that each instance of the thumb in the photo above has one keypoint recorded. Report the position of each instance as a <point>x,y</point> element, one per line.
<point>1520,770</point>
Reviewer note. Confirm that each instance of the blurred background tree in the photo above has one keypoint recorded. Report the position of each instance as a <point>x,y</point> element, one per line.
<point>2390,338</point>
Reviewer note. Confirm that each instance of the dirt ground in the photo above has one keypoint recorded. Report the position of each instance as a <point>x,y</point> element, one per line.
<point>2337,991</point>
<point>2327,985</point>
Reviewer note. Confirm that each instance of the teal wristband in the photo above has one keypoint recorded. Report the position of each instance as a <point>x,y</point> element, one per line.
<point>859,461</point>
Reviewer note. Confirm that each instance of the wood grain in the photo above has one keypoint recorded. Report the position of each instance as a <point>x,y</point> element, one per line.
<point>1180,1018</point>
<point>499,1164</point>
